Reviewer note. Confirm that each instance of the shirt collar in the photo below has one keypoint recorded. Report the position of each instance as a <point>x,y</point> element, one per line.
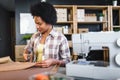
<point>52,33</point>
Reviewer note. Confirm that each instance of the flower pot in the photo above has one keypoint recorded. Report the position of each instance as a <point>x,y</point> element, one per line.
<point>114,3</point>
<point>101,18</point>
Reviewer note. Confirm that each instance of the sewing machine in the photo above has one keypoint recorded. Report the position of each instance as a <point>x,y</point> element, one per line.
<point>107,68</point>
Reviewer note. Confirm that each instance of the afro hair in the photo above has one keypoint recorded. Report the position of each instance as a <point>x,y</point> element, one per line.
<point>44,10</point>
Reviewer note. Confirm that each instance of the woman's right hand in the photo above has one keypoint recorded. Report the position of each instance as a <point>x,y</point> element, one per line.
<point>25,56</point>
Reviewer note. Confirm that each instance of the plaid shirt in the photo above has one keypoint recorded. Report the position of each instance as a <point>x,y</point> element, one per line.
<point>56,46</point>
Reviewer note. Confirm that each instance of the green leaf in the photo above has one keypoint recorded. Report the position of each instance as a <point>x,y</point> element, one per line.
<point>26,36</point>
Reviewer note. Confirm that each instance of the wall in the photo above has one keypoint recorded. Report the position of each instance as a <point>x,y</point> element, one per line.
<point>22,6</point>
<point>5,33</point>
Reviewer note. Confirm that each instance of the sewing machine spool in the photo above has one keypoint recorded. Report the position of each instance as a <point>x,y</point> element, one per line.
<point>118,42</point>
<point>117,59</point>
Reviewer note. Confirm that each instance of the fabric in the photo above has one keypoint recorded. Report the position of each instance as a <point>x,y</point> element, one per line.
<point>11,66</point>
<point>56,46</point>
<point>5,60</point>
<point>6,64</point>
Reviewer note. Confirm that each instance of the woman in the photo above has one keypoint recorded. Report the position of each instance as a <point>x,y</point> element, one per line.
<point>47,46</point>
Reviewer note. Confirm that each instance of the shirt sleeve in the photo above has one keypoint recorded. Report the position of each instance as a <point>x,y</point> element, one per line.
<point>64,49</point>
<point>29,46</point>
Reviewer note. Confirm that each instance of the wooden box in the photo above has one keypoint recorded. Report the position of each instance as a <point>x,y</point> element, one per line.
<point>19,52</point>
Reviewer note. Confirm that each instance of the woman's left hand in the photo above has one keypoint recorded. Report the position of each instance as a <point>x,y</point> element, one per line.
<point>47,63</point>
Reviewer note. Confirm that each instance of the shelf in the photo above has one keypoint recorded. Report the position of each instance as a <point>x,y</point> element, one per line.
<point>63,6</point>
<point>95,7</point>
<point>92,22</point>
<point>116,26</point>
<point>65,22</point>
<point>115,11</point>
<point>115,7</point>
<point>74,20</point>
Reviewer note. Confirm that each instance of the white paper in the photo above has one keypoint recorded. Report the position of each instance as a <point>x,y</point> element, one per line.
<point>27,25</point>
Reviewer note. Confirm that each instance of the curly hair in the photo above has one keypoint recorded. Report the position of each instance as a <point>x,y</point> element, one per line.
<point>44,10</point>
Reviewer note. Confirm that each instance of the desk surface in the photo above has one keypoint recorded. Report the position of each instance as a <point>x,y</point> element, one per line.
<point>22,74</point>
<point>26,73</point>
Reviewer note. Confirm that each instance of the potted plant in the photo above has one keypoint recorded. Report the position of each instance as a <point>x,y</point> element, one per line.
<point>114,2</point>
<point>116,29</point>
<point>27,37</point>
<point>101,16</point>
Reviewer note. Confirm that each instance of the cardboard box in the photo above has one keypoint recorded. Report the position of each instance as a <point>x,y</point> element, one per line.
<point>80,14</point>
<point>83,30</point>
<point>90,17</point>
<point>61,14</point>
<point>19,52</point>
